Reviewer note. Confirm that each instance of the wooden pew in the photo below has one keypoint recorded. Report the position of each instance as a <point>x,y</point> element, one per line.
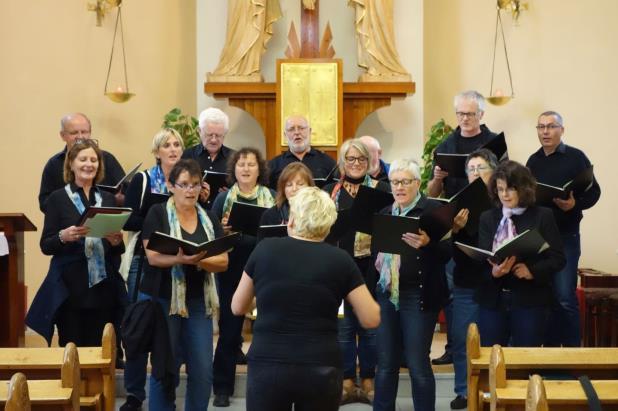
<point>17,394</point>
<point>97,365</point>
<point>536,399</point>
<point>510,395</point>
<point>598,363</point>
<point>51,394</point>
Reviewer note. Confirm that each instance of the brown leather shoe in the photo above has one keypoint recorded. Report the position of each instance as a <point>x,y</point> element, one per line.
<point>348,394</point>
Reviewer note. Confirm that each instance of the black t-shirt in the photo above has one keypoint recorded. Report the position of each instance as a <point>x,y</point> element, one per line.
<point>299,286</point>
<point>156,220</point>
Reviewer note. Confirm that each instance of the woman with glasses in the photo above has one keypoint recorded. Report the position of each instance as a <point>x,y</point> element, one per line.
<point>356,341</point>
<point>514,295</point>
<point>184,285</point>
<point>83,290</point>
<point>248,176</point>
<point>467,274</point>
<point>411,291</point>
<point>167,147</point>
<point>293,177</point>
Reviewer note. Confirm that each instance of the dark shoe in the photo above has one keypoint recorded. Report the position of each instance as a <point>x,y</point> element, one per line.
<point>131,404</point>
<point>446,358</point>
<point>459,403</point>
<point>120,364</point>
<point>221,400</point>
<point>241,358</point>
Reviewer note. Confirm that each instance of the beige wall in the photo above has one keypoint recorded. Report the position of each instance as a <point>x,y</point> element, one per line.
<point>54,60</point>
<point>564,57</point>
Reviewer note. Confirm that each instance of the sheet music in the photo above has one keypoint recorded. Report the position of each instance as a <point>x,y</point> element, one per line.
<point>4,244</point>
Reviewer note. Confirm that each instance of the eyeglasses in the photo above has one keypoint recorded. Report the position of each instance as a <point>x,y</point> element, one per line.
<point>87,141</point>
<point>188,187</point>
<point>351,160</point>
<point>214,135</point>
<point>509,190</point>
<point>551,126</point>
<point>405,182</point>
<point>463,114</point>
<point>296,128</point>
<point>477,169</point>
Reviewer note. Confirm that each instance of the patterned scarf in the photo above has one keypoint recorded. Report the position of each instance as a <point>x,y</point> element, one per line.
<point>506,229</point>
<point>157,180</point>
<point>93,247</point>
<point>259,192</point>
<point>178,304</point>
<point>362,241</point>
<point>388,264</point>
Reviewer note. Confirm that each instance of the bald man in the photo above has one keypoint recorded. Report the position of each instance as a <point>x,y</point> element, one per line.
<point>378,169</point>
<point>75,126</point>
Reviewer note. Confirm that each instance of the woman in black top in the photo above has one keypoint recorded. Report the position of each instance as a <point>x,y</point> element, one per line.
<point>147,188</point>
<point>411,291</point>
<point>293,177</point>
<point>82,265</point>
<point>248,176</point>
<point>299,281</point>
<point>354,160</point>
<point>184,284</point>
<point>515,294</point>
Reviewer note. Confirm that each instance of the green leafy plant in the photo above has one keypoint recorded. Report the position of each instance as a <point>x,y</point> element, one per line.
<point>187,126</point>
<point>436,135</point>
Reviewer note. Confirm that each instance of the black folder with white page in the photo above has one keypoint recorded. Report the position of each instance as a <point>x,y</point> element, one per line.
<point>546,193</point>
<point>245,217</point>
<point>215,180</point>
<point>387,232</point>
<point>523,246</point>
<point>166,244</point>
<point>118,186</point>
<point>455,164</point>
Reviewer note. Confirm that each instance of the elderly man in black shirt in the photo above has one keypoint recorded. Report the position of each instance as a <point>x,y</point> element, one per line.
<point>298,133</point>
<point>211,155</point>
<point>75,126</point>
<point>556,163</point>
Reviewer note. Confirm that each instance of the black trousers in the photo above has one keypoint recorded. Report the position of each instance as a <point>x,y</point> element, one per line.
<point>278,387</point>
<point>82,326</point>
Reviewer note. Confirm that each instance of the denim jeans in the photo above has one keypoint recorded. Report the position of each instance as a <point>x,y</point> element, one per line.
<point>448,308</point>
<point>132,277</point>
<point>135,369</point>
<point>193,337</point>
<point>349,329</point>
<point>564,323</point>
<point>512,325</point>
<point>408,330</point>
<point>465,312</point>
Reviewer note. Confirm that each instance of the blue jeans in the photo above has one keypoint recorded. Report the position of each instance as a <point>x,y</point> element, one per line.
<point>465,312</point>
<point>448,308</point>
<point>349,329</point>
<point>193,337</point>
<point>512,325</point>
<point>564,323</point>
<point>132,277</point>
<point>409,330</point>
<point>135,369</point>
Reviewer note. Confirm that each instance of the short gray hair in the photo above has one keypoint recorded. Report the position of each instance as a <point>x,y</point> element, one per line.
<point>471,95</point>
<point>555,114</point>
<point>68,117</point>
<point>162,136</point>
<point>214,115</point>
<point>405,164</point>
<point>313,211</point>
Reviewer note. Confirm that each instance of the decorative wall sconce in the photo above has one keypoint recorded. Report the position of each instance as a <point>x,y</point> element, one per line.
<point>101,7</point>
<point>120,94</point>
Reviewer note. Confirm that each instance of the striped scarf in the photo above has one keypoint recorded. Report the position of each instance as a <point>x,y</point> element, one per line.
<point>93,247</point>
<point>388,264</point>
<point>259,192</point>
<point>178,304</point>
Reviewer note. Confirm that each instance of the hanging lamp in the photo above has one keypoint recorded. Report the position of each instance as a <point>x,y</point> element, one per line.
<point>497,97</point>
<point>121,94</point>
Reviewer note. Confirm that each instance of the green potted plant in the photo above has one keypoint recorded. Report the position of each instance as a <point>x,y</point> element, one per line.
<point>186,125</point>
<point>436,135</point>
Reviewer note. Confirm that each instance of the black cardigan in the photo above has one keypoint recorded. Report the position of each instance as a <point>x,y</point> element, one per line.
<point>524,293</point>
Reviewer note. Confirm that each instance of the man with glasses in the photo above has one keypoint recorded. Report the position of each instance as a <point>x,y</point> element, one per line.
<point>298,133</point>
<point>76,126</point>
<point>211,155</point>
<point>556,163</point>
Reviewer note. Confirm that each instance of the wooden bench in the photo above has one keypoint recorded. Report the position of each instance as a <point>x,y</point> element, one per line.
<point>510,395</point>
<point>62,394</point>
<point>97,365</point>
<point>598,363</point>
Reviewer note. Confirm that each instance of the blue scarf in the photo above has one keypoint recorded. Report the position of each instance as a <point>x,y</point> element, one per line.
<point>93,247</point>
<point>157,180</point>
<point>388,264</point>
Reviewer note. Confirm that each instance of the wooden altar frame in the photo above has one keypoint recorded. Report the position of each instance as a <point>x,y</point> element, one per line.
<point>280,120</point>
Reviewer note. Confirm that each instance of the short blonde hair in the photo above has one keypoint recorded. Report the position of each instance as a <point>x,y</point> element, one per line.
<point>162,136</point>
<point>314,212</point>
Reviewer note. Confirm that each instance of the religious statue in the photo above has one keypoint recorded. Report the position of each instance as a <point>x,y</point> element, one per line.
<point>249,27</point>
<point>375,40</point>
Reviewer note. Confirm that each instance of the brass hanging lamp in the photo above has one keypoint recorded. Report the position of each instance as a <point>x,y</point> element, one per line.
<point>497,97</point>
<point>121,93</point>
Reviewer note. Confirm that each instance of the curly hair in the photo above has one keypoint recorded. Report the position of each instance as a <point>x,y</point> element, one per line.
<point>244,152</point>
<point>516,176</point>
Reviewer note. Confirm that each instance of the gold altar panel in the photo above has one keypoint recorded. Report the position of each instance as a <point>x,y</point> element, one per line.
<point>312,89</point>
